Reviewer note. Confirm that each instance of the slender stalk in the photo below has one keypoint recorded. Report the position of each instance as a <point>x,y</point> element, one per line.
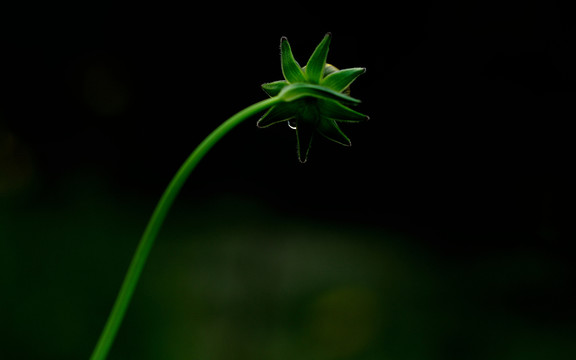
<point>147,241</point>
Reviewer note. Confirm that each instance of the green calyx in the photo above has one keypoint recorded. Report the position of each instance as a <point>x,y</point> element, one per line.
<point>314,98</point>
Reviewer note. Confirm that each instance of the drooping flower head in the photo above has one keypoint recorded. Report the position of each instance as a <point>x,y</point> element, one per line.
<point>320,101</point>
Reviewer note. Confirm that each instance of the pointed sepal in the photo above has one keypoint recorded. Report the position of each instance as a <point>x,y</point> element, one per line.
<point>340,80</point>
<point>336,111</point>
<point>304,136</point>
<point>279,113</point>
<point>290,68</point>
<point>274,88</point>
<point>330,130</point>
<point>317,62</point>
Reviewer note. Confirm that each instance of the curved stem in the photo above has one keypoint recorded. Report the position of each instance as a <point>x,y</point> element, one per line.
<point>147,241</point>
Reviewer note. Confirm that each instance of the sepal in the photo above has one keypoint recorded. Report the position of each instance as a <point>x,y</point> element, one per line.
<point>279,113</point>
<point>340,80</point>
<point>290,68</point>
<point>274,88</point>
<point>330,130</point>
<point>317,62</point>
<point>297,91</point>
<point>339,112</point>
<point>304,136</point>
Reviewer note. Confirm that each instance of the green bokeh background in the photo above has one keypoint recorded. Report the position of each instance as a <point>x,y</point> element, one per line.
<point>445,232</point>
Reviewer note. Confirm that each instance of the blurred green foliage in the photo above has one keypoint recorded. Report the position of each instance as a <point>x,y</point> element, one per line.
<point>231,278</point>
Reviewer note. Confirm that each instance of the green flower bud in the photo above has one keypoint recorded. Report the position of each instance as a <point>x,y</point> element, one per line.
<point>315,98</point>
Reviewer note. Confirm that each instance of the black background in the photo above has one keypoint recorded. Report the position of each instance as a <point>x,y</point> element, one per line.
<point>470,106</point>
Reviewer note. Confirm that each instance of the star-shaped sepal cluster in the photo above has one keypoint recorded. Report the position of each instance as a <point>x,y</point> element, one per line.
<point>316,98</point>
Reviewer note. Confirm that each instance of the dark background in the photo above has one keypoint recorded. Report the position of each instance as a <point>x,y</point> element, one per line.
<point>445,232</point>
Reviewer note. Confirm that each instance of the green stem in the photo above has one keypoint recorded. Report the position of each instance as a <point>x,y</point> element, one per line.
<point>147,241</point>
